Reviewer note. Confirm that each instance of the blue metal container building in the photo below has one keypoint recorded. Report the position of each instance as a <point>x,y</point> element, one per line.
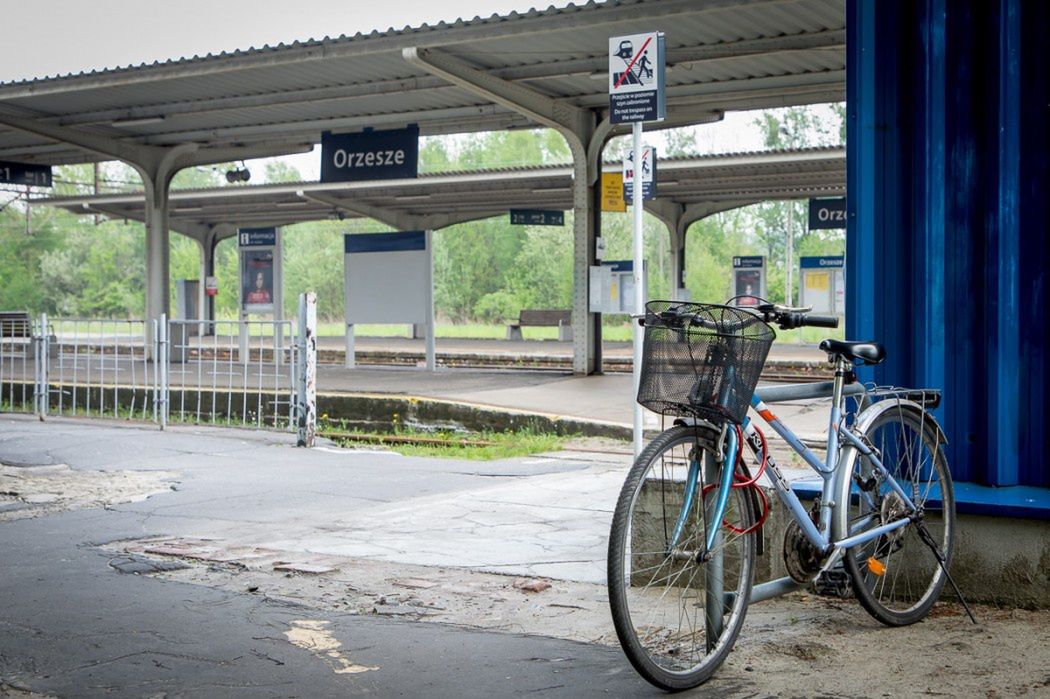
<point>949,122</point>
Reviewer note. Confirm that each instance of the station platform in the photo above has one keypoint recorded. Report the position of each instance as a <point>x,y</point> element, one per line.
<point>785,359</point>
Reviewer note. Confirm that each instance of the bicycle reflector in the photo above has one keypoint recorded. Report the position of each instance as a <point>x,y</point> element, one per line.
<point>876,566</point>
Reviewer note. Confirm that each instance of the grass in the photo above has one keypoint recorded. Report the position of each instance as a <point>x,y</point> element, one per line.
<point>474,446</point>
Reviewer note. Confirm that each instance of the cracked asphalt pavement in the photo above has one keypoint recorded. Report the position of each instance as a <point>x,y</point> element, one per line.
<point>215,562</point>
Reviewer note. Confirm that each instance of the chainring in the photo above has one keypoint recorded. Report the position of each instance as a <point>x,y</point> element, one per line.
<point>801,558</point>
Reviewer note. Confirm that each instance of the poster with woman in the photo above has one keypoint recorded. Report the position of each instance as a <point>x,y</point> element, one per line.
<point>257,281</point>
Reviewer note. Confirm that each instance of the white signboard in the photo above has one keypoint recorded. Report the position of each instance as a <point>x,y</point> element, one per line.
<point>636,78</point>
<point>389,280</point>
<point>612,287</point>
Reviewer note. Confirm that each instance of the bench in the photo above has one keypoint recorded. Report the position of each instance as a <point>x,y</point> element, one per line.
<point>16,329</point>
<point>542,318</point>
<point>15,324</point>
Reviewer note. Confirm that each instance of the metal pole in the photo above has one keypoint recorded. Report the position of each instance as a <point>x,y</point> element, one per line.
<point>639,289</point>
<point>431,350</point>
<point>307,379</point>
<point>162,370</point>
<point>790,264</point>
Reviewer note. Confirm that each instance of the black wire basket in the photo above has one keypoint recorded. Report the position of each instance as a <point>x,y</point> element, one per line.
<point>701,360</point>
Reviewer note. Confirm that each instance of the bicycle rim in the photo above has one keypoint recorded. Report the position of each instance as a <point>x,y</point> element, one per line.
<point>677,617</point>
<point>896,577</point>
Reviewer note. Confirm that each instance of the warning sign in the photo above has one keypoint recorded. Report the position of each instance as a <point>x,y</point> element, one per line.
<point>648,175</point>
<point>612,192</point>
<point>636,78</point>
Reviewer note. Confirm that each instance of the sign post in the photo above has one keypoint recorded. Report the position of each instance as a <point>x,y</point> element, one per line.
<point>636,95</point>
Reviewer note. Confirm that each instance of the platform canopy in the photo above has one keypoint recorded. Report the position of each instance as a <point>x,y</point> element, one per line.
<point>706,183</point>
<point>722,55</point>
<point>541,68</point>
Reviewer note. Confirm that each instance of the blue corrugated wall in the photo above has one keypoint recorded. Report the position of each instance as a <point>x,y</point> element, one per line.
<point>947,240</point>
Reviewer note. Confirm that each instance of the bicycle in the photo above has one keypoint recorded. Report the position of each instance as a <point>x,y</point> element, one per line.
<point>688,523</point>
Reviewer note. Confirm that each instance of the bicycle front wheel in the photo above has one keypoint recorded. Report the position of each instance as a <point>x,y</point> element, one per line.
<point>678,609</point>
<point>897,577</point>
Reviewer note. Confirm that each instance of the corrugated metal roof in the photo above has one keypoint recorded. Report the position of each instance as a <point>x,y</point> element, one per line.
<point>722,55</point>
<point>733,179</point>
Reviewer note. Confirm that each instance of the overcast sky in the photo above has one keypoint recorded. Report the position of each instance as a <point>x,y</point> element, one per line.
<point>66,36</point>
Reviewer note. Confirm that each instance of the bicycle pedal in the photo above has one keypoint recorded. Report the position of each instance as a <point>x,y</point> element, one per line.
<point>833,582</point>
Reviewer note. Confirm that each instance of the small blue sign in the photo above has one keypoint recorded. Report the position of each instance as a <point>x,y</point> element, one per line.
<point>619,265</point>
<point>24,173</point>
<point>256,237</point>
<point>749,262</point>
<point>403,241</point>
<point>370,155</point>
<point>536,217</point>
<point>828,261</point>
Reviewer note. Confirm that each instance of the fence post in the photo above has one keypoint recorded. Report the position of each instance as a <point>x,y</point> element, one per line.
<point>40,384</point>
<point>162,370</point>
<point>306,395</point>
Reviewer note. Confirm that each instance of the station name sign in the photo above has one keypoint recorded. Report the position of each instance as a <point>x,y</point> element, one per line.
<point>370,155</point>
<point>256,237</point>
<point>24,173</point>
<point>827,213</point>
<point>822,262</point>
<point>536,217</point>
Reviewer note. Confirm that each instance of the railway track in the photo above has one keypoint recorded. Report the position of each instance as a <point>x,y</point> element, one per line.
<point>779,372</point>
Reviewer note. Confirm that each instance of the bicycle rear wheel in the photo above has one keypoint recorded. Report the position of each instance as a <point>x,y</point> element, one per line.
<point>897,577</point>
<point>677,613</point>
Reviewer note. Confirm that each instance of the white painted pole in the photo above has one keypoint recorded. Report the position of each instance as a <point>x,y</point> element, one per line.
<point>431,349</point>
<point>639,285</point>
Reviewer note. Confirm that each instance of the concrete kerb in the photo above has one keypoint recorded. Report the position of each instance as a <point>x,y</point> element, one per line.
<point>374,411</point>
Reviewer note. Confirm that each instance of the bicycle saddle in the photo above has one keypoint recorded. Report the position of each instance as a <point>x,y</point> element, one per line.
<point>867,352</point>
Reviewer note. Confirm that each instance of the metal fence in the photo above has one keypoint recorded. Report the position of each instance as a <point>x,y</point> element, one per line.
<point>229,372</point>
<point>19,366</point>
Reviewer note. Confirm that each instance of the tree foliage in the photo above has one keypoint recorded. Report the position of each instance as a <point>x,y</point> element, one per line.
<point>488,270</point>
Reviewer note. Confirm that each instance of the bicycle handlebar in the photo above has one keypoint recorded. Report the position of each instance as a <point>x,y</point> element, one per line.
<point>785,318</point>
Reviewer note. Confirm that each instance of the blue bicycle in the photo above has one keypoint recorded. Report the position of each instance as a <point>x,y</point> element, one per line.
<point>688,523</point>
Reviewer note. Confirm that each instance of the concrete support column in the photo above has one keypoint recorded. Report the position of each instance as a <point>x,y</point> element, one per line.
<point>586,326</point>
<point>158,252</point>
<point>678,290</point>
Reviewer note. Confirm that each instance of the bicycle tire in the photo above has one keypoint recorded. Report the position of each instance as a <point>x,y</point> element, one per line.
<point>896,577</point>
<point>641,642</point>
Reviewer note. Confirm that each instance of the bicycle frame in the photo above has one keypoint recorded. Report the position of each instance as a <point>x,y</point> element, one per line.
<point>830,471</point>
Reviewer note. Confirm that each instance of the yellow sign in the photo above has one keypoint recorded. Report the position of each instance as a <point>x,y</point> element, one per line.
<point>818,281</point>
<point>612,192</point>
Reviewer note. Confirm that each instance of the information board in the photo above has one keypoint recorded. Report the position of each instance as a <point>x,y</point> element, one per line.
<point>612,192</point>
<point>389,279</point>
<point>260,270</point>
<point>822,284</point>
<point>749,279</point>
<point>612,287</point>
